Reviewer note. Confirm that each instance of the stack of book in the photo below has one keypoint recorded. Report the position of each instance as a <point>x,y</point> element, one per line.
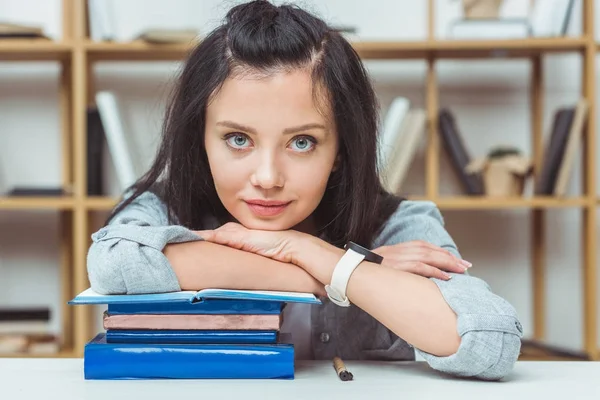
<point>212,333</point>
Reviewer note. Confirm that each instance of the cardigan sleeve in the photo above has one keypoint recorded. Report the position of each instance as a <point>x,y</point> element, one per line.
<point>126,256</point>
<point>488,325</point>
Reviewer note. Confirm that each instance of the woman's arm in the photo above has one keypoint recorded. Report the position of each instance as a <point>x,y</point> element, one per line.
<point>200,265</point>
<point>409,305</point>
<point>139,252</point>
<point>459,325</point>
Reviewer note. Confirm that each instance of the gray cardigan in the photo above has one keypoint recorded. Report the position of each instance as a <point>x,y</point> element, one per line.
<point>126,257</point>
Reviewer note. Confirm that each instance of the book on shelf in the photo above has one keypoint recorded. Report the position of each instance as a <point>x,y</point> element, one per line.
<point>554,151</point>
<point>169,36</point>
<point>24,320</point>
<point>95,146</point>
<point>100,20</point>
<point>545,18</point>
<point>551,18</point>
<point>113,127</point>
<point>481,29</point>
<point>458,153</point>
<point>26,330</point>
<point>573,145</point>
<point>19,31</point>
<point>29,343</point>
<point>410,135</point>
<point>34,191</point>
<point>391,129</point>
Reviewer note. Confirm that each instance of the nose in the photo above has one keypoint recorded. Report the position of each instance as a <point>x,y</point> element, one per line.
<point>267,174</point>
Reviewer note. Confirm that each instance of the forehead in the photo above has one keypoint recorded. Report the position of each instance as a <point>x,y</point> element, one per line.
<point>289,95</point>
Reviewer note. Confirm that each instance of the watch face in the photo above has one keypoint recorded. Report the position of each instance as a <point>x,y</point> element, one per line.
<point>369,255</point>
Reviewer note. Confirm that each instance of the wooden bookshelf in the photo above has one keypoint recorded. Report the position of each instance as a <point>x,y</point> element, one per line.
<point>34,50</point>
<point>39,203</point>
<point>467,203</point>
<point>77,54</point>
<point>101,203</point>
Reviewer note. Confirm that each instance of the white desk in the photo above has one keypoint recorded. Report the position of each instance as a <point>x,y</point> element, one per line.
<point>62,379</point>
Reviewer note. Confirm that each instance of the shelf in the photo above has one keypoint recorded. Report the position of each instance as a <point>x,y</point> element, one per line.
<point>101,203</point>
<point>142,51</point>
<point>37,203</point>
<point>505,48</point>
<point>491,203</point>
<point>42,49</point>
<point>135,51</point>
<point>467,48</point>
<point>33,50</point>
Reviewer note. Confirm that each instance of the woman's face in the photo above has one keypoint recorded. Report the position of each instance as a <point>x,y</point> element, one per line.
<point>270,150</point>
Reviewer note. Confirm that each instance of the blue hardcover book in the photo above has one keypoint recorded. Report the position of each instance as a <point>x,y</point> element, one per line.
<point>190,336</point>
<point>187,298</point>
<point>104,360</point>
<point>208,306</point>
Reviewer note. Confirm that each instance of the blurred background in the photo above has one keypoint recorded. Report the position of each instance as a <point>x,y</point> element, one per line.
<point>503,85</point>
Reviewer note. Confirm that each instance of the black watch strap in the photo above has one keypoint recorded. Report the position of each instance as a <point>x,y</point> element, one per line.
<point>369,255</point>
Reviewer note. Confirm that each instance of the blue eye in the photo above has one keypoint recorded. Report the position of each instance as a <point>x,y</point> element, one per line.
<point>304,144</point>
<point>237,141</point>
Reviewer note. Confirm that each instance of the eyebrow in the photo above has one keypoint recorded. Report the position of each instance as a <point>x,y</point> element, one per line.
<point>287,131</point>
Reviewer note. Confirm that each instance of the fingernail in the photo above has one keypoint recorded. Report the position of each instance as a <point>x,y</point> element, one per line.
<point>448,276</point>
<point>465,263</point>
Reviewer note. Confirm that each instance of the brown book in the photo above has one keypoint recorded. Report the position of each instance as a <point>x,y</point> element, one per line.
<point>555,151</point>
<point>17,30</point>
<point>169,36</point>
<point>573,144</point>
<point>458,153</point>
<point>267,322</point>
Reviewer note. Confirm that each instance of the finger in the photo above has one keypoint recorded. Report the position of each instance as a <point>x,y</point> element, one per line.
<point>401,250</point>
<point>230,226</point>
<point>422,247</point>
<point>442,261</point>
<point>229,238</point>
<point>426,245</point>
<point>428,271</point>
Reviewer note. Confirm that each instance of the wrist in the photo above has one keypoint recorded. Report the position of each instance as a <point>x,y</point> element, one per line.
<point>316,257</point>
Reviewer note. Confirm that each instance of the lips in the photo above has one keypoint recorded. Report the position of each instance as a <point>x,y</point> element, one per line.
<point>267,208</point>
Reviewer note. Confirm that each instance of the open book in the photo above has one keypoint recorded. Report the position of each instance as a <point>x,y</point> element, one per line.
<point>89,296</point>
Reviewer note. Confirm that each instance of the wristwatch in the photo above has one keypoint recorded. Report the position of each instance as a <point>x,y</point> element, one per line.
<point>355,254</point>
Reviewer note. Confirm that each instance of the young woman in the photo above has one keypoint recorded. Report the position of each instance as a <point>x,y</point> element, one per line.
<point>266,170</point>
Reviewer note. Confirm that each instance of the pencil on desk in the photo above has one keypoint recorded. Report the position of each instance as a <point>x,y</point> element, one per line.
<point>340,370</point>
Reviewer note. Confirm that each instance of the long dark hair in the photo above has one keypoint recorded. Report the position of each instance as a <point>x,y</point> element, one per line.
<point>261,37</point>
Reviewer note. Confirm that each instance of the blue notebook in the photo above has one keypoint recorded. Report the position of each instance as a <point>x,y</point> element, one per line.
<point>104,360</point>
<point>190,336</point>
<point>89,296</point>
<point>208,306</point>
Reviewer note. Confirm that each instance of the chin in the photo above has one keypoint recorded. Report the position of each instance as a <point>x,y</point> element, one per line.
<point>265,225</point>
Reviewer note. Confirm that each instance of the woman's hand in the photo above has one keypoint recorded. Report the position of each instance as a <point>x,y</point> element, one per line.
<point>422,258</point>
<point>277,245</point>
